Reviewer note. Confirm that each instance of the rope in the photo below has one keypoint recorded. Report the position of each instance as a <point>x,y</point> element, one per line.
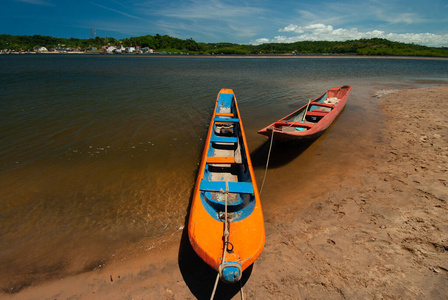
<point>306,109</point>
<point>226,236</point>
<point>267,162</point>
<point>226,230</point>
<point>241,290</point>
<point>214,288</point>
<point>226,224</point>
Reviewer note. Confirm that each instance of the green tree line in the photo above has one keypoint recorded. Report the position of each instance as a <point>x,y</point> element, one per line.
<point>160,43</point>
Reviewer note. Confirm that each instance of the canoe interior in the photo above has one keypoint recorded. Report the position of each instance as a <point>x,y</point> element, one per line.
<point>311,119</point>
<point>314,113</point>
<point>226,172</point>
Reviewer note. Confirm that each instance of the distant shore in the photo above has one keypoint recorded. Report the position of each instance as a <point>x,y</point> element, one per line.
<point>247,56</point>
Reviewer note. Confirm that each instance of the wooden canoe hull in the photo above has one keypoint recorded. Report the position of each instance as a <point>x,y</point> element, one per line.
<point>206,226</point>
<point>319,116</point>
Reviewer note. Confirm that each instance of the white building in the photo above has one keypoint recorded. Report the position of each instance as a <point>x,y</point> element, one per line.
<point>111,49</point>
<point>130,49</point>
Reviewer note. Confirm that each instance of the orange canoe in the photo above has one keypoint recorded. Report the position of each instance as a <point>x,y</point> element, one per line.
<point>310,120</point>
<point>226,226</point>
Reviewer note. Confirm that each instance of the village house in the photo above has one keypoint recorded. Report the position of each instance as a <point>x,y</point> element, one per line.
<point>110,49</point>
<point>147,50</point>
<point>130,49</point>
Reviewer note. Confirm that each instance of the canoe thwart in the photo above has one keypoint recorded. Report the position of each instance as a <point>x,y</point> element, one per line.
<point>317,113</point>
<point>224,114</point>
<point>241,187</point>
<point>221,160</point>
<point>322,104</point>
<point>227,120</point>
<point>225,100</point>
<point>220,186</point>
<point>293,124</point>
<point>223,139</point>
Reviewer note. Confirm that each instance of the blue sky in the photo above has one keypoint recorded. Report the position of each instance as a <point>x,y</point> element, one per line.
<point>241,21</point>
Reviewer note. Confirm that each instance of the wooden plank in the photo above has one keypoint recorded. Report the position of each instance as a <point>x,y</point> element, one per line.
<point>241,187</point>
<point>220,186</point>
<point>212,186</point>
<point>223,123</point>
<point>223,139</point>
<point>224,114</point>
<point>228,120</point>
<point>316,113</point>
<point>293,124</point>
<point>221,160</point>
<point>322,104</point>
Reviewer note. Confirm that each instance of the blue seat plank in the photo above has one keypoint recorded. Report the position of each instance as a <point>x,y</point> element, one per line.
<point>241,187</point>
<point>220,186</point>
<point>223,139</point>
<point>212,186</point>
<point>230,120</point>
<point>225,100</point>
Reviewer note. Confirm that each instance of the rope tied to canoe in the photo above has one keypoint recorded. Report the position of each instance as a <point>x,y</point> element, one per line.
<point>226,224</point>
<point>267,162</point>
<point>226,237</point>
<point>226,229</point>
<point>226,244</point>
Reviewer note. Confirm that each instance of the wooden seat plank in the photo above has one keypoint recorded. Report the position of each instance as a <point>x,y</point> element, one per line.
<point>221,160</point>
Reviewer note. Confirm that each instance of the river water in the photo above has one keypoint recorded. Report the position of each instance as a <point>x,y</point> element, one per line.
<point>99,153</point>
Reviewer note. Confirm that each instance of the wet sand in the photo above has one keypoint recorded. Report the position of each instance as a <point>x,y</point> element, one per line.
<point>379,233</point>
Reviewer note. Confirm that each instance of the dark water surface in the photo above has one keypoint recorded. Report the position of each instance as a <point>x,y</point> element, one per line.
<point>100,153</point>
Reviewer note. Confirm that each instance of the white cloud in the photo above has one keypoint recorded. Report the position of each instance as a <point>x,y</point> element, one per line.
<point>117,11</point>
<point>304,14</point>
<point>290,28</point>
<point>428,39</point>
<point>322,32</point>
<point>406,18</point>
<point>217,20</point>
<point>208,9</point>
<point>262,41</point>
<point>407,12</point>
<point>37,2</point>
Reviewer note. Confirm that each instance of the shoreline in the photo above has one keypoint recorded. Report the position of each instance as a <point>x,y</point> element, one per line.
<point>380,233</point>
<point>247,56</point>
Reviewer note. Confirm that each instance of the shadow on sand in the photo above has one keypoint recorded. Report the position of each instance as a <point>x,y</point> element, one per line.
<point>284,153</point>
<point>200,277</point>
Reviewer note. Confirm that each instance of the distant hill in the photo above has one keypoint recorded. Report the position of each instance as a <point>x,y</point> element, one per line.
<point>165,43</point>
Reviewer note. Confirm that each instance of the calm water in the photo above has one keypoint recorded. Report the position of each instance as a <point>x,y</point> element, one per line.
<point>100,153</point>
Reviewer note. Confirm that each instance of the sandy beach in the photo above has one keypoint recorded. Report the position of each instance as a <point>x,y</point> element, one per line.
<point>378,233</point>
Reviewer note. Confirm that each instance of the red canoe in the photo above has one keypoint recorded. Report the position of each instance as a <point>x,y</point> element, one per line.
<point>312,119</point>
<point>226,227</point>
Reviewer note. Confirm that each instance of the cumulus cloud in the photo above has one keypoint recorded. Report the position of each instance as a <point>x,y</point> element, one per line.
<point>262,41</point>
<point>322,32</point>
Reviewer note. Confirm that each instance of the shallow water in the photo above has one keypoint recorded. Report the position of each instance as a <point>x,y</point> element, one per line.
<point>100,153</point>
